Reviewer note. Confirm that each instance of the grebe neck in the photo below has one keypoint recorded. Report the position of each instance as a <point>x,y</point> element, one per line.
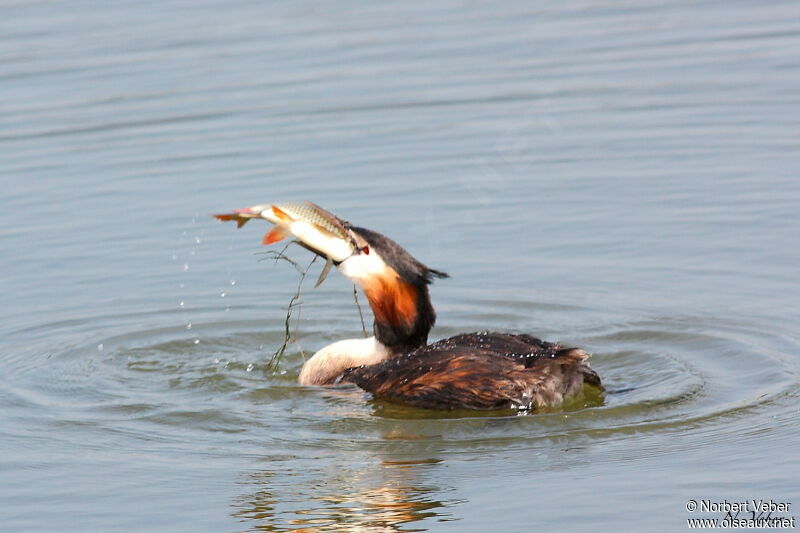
<point>403,313</point>
<point>329,362</point>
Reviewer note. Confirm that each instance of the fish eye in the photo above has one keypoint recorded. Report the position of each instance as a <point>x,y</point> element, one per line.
<point>365,250</point>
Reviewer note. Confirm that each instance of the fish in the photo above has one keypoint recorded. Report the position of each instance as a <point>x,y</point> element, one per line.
<point>314,228</point>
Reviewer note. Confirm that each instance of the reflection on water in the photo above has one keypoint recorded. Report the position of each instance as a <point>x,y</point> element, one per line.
<point>379,496</point>
<point>369,493</point>
<point>590,397</point>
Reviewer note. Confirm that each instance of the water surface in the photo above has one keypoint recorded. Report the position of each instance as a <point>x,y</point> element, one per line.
<point>619,176</point>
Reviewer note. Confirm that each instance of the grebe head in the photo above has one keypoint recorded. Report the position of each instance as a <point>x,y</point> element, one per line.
<point>375,253</point>
<point>396,286</point>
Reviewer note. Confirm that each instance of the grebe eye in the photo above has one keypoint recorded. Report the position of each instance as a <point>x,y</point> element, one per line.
<point>365,250</point>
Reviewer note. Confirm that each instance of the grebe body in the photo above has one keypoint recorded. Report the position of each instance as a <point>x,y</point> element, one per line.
<point>484,370</point>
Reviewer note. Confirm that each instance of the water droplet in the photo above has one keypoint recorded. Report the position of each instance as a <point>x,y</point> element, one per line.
<point>250,367</point>
<point>233,282</point>
<point>174,257</point>
<point>182,285</point>
<point>100,347</point>
<point>216,361</point>
<point>197,341</point>
<point>197,240</point>
<point>185,267</point>
<point>181,304</point>
<point>189,325</point>
<point>222,295</point>
<point>283,372</point>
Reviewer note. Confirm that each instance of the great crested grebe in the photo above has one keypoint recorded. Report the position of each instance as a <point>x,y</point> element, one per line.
<point>483,370</point>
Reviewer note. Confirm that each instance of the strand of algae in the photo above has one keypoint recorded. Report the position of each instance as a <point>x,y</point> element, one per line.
<point>290,337</point>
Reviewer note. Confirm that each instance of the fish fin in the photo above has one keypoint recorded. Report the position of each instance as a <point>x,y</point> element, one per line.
<point>324,274</point>
<point>281,214</point>
<point>240,220</point>
<point>278,233</point>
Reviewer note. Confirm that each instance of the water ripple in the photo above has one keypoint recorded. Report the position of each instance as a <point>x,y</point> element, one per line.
<point>663,375</point>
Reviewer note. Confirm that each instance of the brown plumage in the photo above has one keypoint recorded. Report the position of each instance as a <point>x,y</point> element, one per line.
<point>479,371</point>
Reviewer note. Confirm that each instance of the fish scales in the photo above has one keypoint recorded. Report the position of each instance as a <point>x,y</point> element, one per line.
<point>307,212</point>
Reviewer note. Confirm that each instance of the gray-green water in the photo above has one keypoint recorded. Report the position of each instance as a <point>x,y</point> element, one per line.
<point>621,176</point>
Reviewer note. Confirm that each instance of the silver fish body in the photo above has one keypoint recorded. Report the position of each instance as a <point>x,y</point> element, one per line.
<point>312,214</point>
<point>316,229</point>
